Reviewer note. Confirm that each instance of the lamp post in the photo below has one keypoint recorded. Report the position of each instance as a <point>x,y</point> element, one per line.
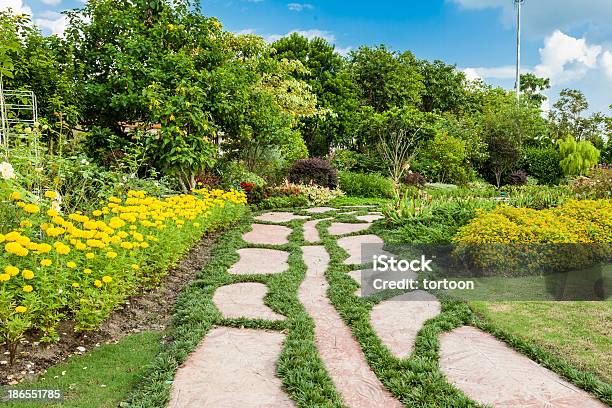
<point>517,84</point>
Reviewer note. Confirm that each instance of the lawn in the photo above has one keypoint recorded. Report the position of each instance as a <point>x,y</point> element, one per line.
<point>580,332</point>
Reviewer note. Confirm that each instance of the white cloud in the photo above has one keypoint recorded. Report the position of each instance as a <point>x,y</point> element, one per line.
<point>344,51</point>
<point>51,2</point>
<point>245,31</point>
<point>310,34</point>
<point>606,62</point>
<point>17,6</point>
<point>300,6</point>
<point>541,17</point>
<point>54,22</point>
<point>502,72</point>
<point>565,58</point>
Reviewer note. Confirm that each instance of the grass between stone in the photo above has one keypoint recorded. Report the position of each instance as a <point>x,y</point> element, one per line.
<point>299,367</point>
<point>101,378</point>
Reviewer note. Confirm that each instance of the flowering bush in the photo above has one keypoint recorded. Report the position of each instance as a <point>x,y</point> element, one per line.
<point>597,185</point>
<point>540,239</point>
<point>84,265</point>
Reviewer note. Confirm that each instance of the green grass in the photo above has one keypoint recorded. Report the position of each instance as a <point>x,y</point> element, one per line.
<point>576,331</point>
<point>299,367</point>
<point>342,201</point>
<point>100,378</point>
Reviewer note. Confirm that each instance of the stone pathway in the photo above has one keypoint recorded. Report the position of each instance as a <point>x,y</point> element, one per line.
<point>267,234</point>
<point>244,300</point>
<point>340,352</point>
<point>260,261</point>
<point>236,367</point>
<point>232,368</point>
<point>490,372</point>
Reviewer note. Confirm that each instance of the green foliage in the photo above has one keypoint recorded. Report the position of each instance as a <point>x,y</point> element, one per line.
<point>597,185</point>
<point>606,153</point>
<point>533,88</point>
<point>386,79</point>
<point>366,185</point>
<point>445,87</point>
<point>233,173</point>
<point>537,197</point>
<point>543,164</point>
<point>577,158</point>
<point>350,160</point>
<point>444,159</point>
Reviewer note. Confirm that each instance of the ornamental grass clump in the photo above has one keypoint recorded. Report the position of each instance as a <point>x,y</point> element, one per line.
<point>82,266</point>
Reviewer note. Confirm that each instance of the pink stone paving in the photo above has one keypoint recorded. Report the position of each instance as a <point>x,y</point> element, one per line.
<point>267,234</point>
<point>490,372</point>
<point>260,261</point>
<point>279,217</point>
<point>320,210</point>
<point>358,254</point>
<point>244,300</point>
<point>397,321</point>
<point>370,217</point>
<point>310,230</point>
<point>343,228</point>
<point>232,368</point>
<point>341,354</point>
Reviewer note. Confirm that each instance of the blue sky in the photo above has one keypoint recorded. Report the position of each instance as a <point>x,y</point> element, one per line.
<point>570,42</point>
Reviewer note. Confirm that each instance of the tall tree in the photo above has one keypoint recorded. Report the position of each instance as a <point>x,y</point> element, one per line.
<point>445,87</point>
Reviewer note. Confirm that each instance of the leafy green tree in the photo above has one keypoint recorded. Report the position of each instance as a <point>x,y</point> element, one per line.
<point>330,81</point>
<point>444,159</point>
<point>445,87</point>
<point>578,157</point>
<point>568,118</point>
<point>386,79</point>
<point>532,88</point>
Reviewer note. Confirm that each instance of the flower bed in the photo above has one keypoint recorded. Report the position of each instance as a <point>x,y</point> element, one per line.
<point>84,265</point>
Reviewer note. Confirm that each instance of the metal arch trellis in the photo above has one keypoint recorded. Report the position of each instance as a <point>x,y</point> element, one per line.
<point>16,107</point>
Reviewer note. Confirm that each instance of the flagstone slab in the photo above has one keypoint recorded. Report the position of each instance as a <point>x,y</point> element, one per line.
<point>397,321</point>
<point>232,368</point>
<point>343,228</point>
<point>341,354</point>
<point>320,210</point>
<point>244,300</point>
<point>279,216</point>
<point>361,248</point>
<point>370,217</point>
<point>260,261</point>
<point>267,234</point>
<point>311,234</point>
<point>490,372</point>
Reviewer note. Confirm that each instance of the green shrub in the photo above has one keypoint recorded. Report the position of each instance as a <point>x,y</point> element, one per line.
<point>444,159</point>
<point>349,160</point>
<point>543,164</point>
<point>366,185</point>
<point>234,173</point>
<point>577,157</point>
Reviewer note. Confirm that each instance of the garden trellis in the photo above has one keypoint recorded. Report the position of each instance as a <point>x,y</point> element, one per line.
<point>17,107</point>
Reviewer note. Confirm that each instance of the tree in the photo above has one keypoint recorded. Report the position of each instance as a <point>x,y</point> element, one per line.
<point>577,157</point>
<point>532,88</point>
<point>567,118</point>
<point>386,79</point>
<point>445,87</point>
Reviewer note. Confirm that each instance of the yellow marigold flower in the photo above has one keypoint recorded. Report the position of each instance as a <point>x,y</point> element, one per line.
<point>97,283</point>
<point>71,265</point>
<point>27,274</point>
<point>4,277</point>
<point>16,248</point>
<point>75,285</point>
<point>15,196</point>
<point>107,279</point>
<point>111,255</point>
<point>62,249</point>
<point>46,262</point>
<point>21,309</point>
<point>11,270</point>
<point>90,255</point>
<point>52,195</point>
<point>127,245</point>
<point>31,208</point>
<point>135,266</point>
<point>44,248</point>
<point>27,288</point>
<point>25,223</point>
<point>52,213</point>
<point>97,213</point>
<point>87,271</point>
